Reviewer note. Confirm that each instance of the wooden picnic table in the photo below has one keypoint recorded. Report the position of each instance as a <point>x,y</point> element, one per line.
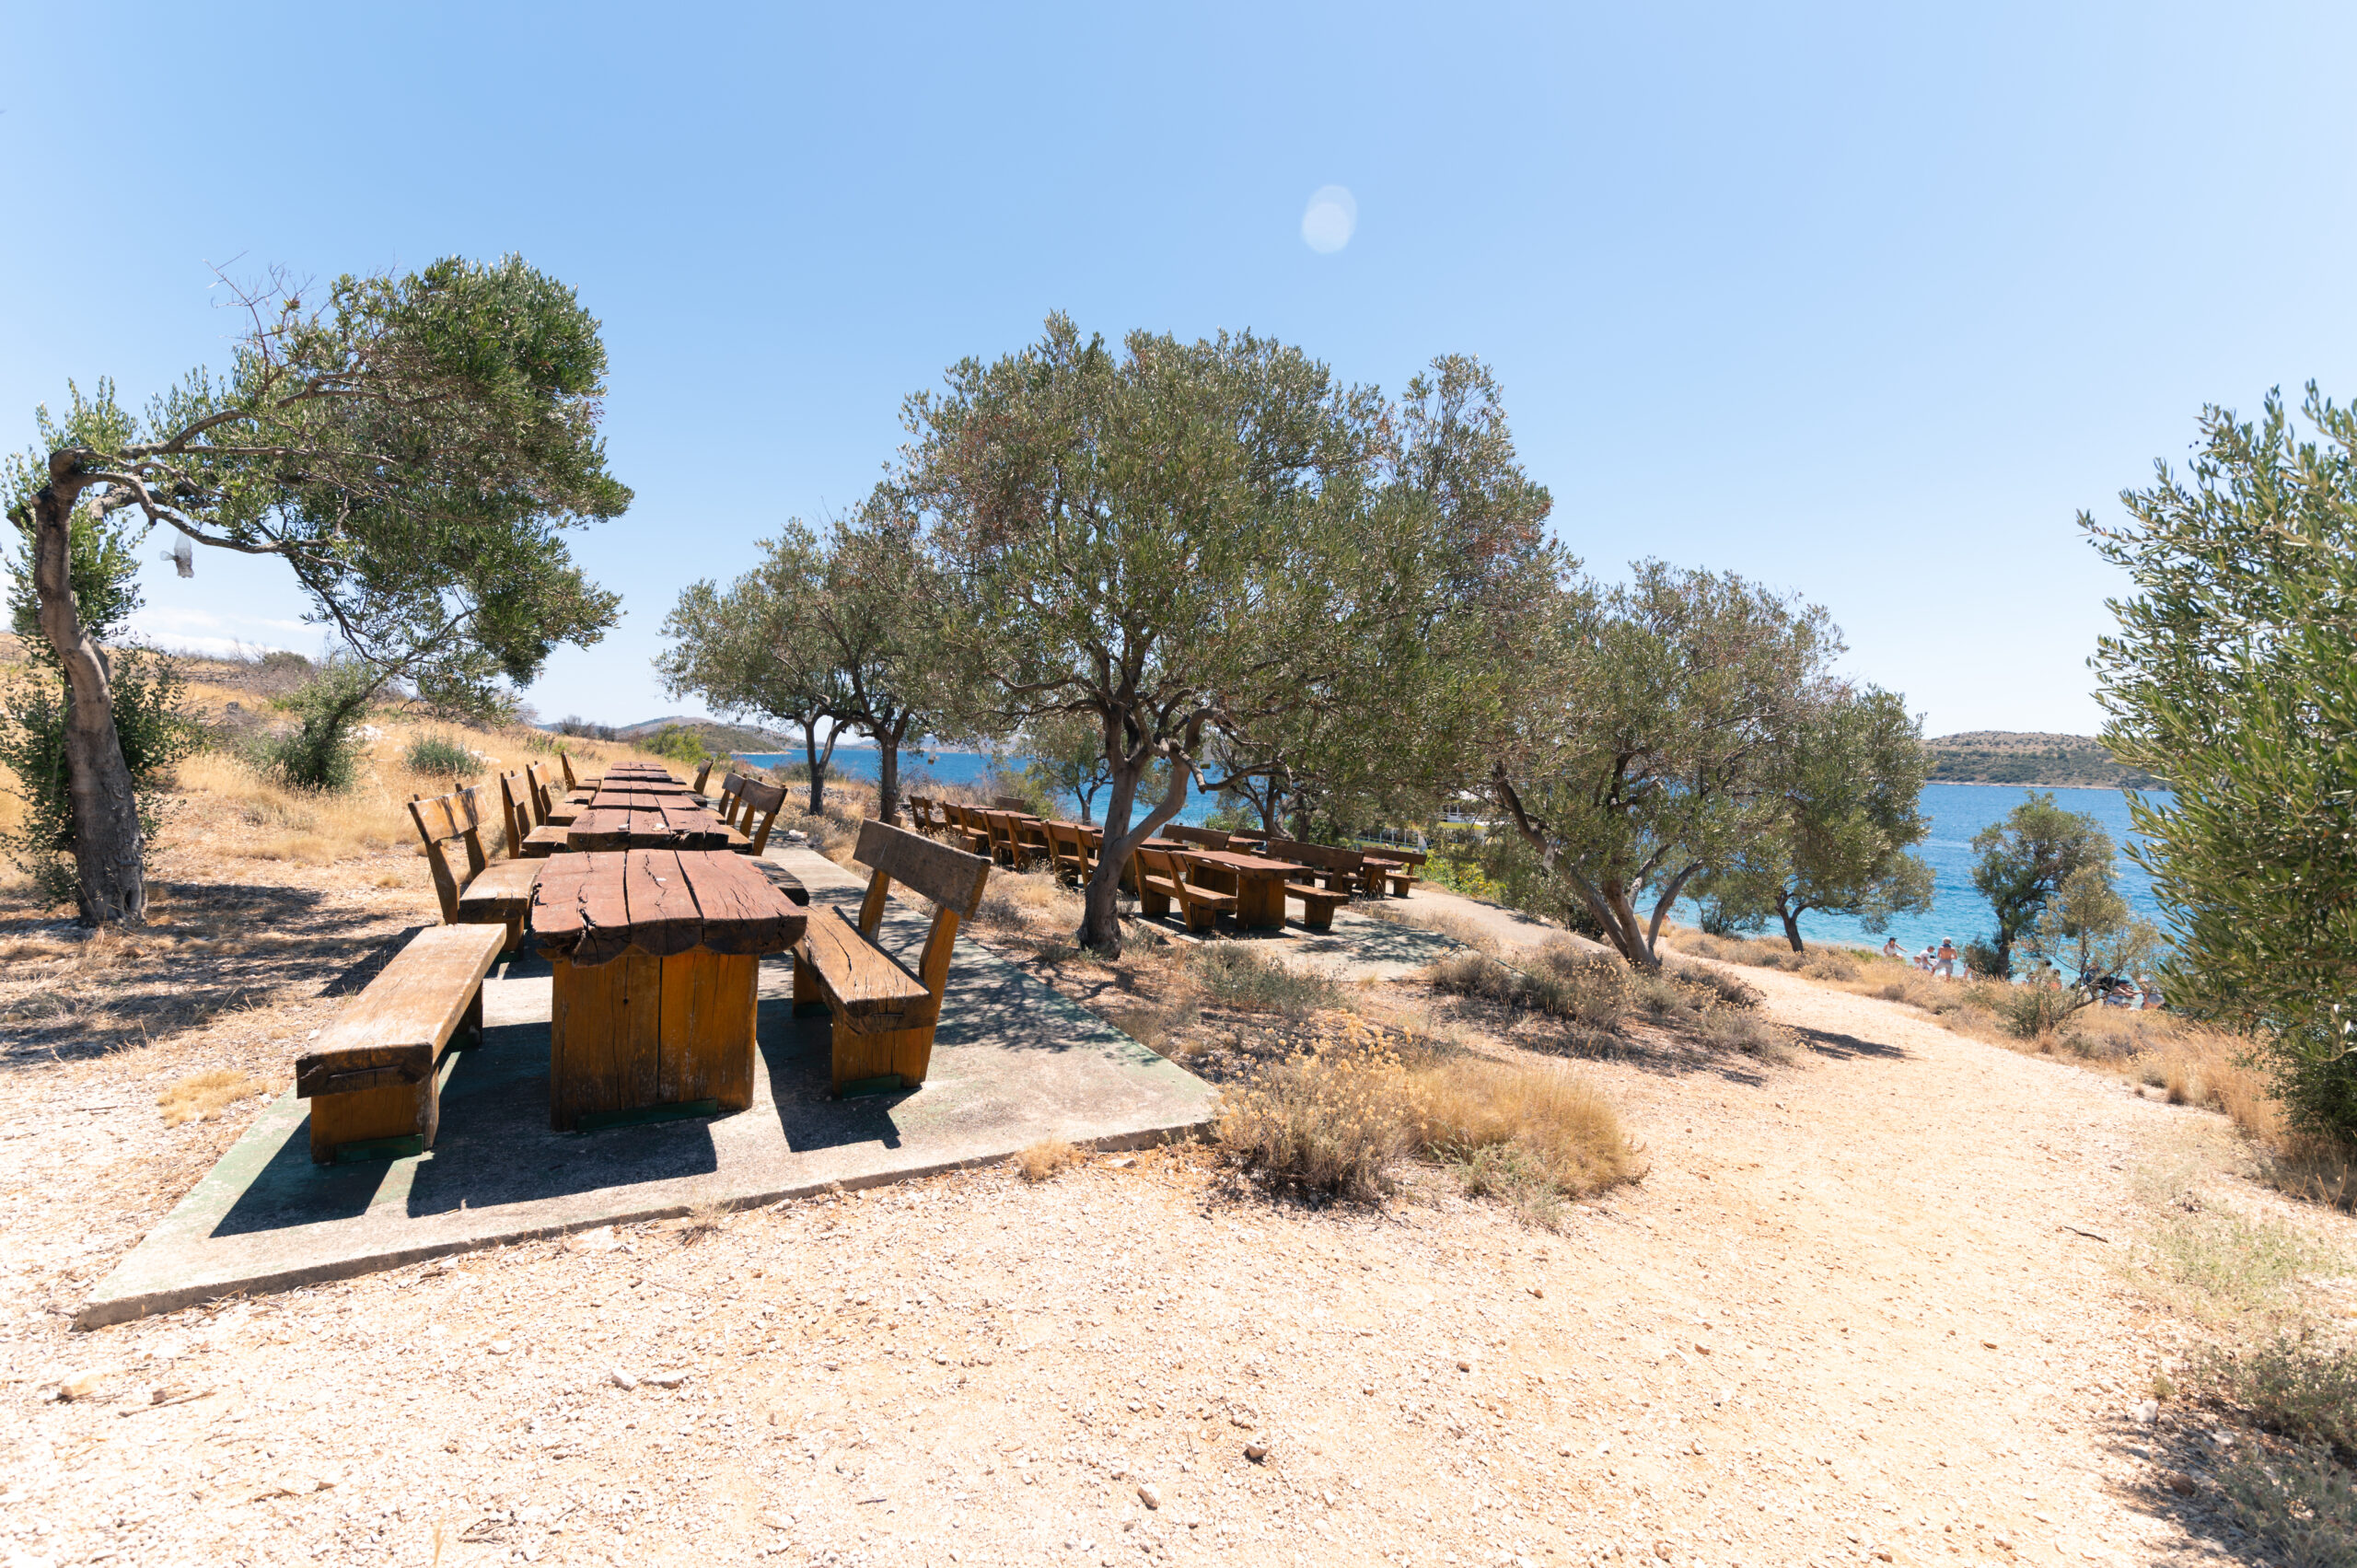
<point>1258,882</point>
<point>657,954</point>
<point>620,816</point>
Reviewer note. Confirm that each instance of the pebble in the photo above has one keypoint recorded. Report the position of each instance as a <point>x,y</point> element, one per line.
<point>1150,1494</point>
<point>665,1379</point>
<point>622,1380</point>
<point>2146,1414</point>
<point>1256,1452</point>
<point>500,1347</point>
<point>82,1385</point>
<point>1464,1366</point>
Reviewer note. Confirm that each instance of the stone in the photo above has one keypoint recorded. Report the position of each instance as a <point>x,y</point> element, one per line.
<point>500,1347</point>
<point>1539,1292</point>
<point>83,1385</point>
<point>1257,1450</point>
<point>1464,1365</point>
<point>665,1379</point>
<point>2181,1484</point>
<point>2146,1414</point>
<point>622,1380</point>
<point>1150,1494</point>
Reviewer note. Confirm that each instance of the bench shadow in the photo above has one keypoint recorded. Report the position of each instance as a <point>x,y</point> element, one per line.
<point>798,1056</point>
<point>290,1191</point>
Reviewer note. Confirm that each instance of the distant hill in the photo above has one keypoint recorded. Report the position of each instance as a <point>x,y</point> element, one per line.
<point>719,737</point>
<point>2029,757</point>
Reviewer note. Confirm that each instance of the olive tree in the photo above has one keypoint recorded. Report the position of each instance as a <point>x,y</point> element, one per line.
<point>1640,748</point>
<point>2232,681</point>
<point>2025,859</point>
<point>411,449</point>
<point>2085,931</point>
<point>1847,780</point>
<point>1176,542</point>
<point>759,647</point>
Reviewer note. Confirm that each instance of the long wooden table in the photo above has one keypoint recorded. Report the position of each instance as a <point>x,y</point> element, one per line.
<point>1257,883</point>
<point>658,956</point>
<point>626,817</point>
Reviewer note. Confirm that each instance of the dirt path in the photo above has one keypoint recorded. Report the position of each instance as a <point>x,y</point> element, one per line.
<point>1865,1308</point>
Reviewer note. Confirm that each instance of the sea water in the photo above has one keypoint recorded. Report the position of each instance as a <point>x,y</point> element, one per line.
<point>1955,812</point>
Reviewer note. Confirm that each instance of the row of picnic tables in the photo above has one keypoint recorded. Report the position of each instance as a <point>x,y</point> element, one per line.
<point>1260,881</point>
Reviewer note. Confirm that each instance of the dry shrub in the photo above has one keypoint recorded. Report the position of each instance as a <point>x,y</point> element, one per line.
<point>1527,1133</point>
<point>1831,963</point>
<point>1335,1121</point>
<point>2300,1505</point>
<point>204,1095</point>
<point>2295,1385</point>
<point>1046,1158</point>
<point>1234,974</point>
<point>1559,979</point>
<point>1728,989</point>
<point>703,1220</point>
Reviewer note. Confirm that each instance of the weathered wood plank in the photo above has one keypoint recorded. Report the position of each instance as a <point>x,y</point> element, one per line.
<point>950,878</point>
<point>709,1002</point>
<point>370,1074</point>
<point>605,1026</point>
<point>664,912</point>
<point>862,980</point>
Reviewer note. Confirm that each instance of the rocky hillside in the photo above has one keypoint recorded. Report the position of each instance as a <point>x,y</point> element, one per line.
<point>2029,757</point>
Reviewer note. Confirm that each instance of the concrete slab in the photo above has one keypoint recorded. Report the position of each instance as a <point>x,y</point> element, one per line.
<point>1013,1063</point>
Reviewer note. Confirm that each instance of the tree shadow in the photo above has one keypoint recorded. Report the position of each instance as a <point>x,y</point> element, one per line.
<point>207,948</point>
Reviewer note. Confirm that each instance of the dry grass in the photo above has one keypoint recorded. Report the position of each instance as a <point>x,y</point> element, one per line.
<point>1456,927</point>
<point>1335,1121</point>
<point>1566,1133</point>
<point>1046,1159</point>
<point>1339,1118</point>
<point>203,1095</point>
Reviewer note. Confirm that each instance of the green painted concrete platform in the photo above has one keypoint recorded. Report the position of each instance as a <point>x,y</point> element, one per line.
<point>1013,1063</point>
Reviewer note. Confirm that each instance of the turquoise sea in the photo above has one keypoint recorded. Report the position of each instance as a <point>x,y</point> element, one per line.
<point>1957,812</point>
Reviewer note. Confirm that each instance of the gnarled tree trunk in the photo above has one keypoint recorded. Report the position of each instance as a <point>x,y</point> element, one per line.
<point>109,850</point>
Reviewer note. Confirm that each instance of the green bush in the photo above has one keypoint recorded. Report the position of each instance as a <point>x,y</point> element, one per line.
<point>155,732</point>
<point>680,744</point>
<point>438,756</point>
<point>321,753</point>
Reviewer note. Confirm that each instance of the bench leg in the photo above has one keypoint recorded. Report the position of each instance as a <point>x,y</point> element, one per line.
<point>469,1034</point>
<point>398,1111</point>
<point>862,1058</point>
<point>1318,916</point>
<point>1153,905</point>
<point>807,998</point>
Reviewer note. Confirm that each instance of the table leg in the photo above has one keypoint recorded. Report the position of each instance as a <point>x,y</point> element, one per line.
<point>1260,902</point>
<point>641,1032</point>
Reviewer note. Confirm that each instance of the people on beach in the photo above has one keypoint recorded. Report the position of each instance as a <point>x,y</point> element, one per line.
<point>1890,949</point>
<point>1946,967</point>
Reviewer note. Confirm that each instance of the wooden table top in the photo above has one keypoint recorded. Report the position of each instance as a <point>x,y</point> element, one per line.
<point>592,907</point>
<point>1253,863</point>
<point>649,821</point>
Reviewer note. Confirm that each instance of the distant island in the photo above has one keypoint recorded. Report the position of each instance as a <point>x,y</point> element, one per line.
<point>2026,757</point>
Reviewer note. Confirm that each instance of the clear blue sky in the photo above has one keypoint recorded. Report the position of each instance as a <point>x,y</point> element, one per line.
<point>1862,301</point>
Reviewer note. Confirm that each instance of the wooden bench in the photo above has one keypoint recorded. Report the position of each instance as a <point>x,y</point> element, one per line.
<point>1162,881</point>
<point>1401,874</point>
<point>577,789</point>
<point>757,805</point>
<point>473,889</point>
<point>525,839</point>
<point>703,773</point>
<point>1208,838</point>
<point>1068,851</point>
<point>1342,868</point>
<point>968,831</point>
<point>550,803</point>
<point>373,1077</point>
<point>1317,904</point>
<point>884,1016</point>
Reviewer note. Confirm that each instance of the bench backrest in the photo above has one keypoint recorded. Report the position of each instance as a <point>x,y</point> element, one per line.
<point>761,804</point>
<point>732,795</point>
<point>701,773</point>
<point>1011,803</point>
<point>1209,838</point>
<point>1065,843</point>
<point>572,780</point>
<point>952,878</point>
<point>515,810</point>
<point>1324,856</point>
<point>442,822</point>
<point>543,789</point>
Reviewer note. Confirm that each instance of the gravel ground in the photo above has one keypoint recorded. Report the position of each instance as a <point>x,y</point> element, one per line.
<point>1876,1305</point>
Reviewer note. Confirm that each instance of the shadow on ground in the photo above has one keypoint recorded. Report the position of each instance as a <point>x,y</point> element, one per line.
<point>206,949</point>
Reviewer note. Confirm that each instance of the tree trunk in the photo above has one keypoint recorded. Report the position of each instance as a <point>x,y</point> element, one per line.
<point>887,772</point>
<point>1628,933</point>
<point>1792,918</point>
<point>819,762</point>
<point>1100,925</point>
<point>109,850</point>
